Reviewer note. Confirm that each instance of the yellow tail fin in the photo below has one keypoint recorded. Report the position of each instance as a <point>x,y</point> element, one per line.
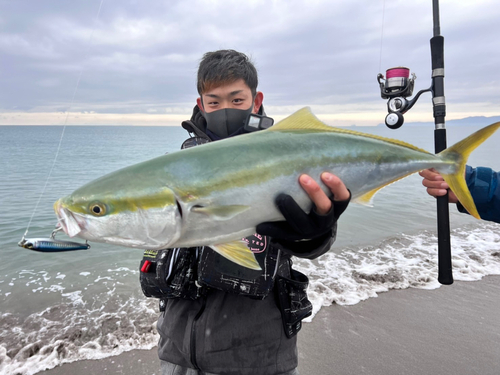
<point>460,151</point>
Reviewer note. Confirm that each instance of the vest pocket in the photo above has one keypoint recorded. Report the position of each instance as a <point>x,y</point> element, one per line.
<point>170,273</point>
<point>293,302</point>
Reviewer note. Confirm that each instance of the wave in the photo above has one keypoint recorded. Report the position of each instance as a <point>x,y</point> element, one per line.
<point>70,332</point>
<point>406,261</point>
<point>79,329</point>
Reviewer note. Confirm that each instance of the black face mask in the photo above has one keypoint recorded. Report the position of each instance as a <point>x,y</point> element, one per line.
<point>228,121</point>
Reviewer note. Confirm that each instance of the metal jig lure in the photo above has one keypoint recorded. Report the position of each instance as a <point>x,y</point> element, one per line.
<point>49,245</point>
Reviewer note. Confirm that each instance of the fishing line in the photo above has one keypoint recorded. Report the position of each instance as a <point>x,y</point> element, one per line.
<point>65,121</point>
<point>381,37</point>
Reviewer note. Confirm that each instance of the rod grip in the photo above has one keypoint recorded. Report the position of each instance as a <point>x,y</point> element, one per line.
<point>437,52</point>
<point>445,273</point>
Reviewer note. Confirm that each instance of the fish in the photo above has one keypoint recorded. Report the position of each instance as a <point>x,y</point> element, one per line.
<point>215,194</point>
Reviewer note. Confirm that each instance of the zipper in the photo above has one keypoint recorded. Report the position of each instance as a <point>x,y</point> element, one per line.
<point>193,332</point>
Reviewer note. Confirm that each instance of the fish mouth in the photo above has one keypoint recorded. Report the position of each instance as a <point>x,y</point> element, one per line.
<point>71,224</point>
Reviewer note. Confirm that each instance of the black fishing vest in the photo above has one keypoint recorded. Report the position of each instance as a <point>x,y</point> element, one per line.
<point>189,273</point>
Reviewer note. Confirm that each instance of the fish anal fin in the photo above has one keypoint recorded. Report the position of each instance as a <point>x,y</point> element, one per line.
<point>366,199</point>
<point>239,253</point>
<point>220,213</point>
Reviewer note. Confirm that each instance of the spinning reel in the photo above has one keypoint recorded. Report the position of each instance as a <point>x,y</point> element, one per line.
<point>397,86</point>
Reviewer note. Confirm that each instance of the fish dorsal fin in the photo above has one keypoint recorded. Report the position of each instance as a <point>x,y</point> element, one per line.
<point>366,199</point>
<point>304,119</point>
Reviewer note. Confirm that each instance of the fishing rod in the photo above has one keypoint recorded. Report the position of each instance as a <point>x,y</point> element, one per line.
<point>397,86</point>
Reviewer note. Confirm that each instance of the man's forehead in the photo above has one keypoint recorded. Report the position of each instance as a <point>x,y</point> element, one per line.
<point>229,88</point>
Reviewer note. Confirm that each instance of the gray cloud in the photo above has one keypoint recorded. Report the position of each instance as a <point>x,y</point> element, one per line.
<point>142,56</point>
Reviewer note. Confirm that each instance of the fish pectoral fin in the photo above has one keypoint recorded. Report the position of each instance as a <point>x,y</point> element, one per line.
<point>366,199</point>
<point>239,253</point>
<point>220,213</point>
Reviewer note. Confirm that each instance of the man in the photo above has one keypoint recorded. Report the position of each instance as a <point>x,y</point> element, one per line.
<point>483,183</point>
<point>220,318</point>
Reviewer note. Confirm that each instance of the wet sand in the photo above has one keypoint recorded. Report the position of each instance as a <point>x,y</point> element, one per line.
<point>451,330</point>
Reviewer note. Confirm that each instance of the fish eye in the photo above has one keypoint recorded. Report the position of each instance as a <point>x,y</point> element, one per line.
<point>97,209</point>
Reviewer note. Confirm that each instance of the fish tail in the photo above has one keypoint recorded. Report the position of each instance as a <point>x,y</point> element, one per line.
<point>460,152</point>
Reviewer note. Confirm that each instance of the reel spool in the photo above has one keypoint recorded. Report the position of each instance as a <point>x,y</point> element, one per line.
<point>397,83</point>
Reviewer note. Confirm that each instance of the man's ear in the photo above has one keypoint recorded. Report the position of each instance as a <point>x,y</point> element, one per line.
<point>259,98</point>
<point>200,104</point>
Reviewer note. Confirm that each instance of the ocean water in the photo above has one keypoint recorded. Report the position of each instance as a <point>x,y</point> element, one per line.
<point>65,307</point>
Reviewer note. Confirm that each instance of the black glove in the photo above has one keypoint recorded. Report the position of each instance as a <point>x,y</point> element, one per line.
<point>299,226</point>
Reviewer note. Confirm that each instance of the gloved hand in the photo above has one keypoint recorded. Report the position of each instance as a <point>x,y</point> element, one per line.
<point>299,226</point>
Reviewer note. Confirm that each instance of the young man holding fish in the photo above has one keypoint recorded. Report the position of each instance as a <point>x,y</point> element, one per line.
<point>218,317</point>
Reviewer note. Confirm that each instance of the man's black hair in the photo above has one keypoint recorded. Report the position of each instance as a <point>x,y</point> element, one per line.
<point>223,67</point>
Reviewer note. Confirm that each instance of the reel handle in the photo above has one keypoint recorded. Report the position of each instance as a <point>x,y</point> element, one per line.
<point>394,120</point>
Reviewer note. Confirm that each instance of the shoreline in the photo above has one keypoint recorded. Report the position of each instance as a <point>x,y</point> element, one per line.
<point>452,329</point>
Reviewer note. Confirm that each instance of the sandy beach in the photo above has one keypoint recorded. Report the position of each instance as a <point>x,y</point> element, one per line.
<point>451,330</point>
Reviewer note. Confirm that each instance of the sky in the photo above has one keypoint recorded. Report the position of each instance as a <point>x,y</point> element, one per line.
<point>134,62</point>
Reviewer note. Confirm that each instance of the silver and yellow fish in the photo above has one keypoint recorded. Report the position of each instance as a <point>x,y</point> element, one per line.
<point>215,194</point>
